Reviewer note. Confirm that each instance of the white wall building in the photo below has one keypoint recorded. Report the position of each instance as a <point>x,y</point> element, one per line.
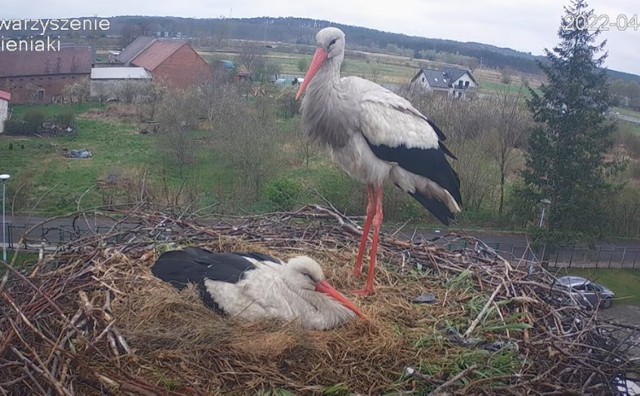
<point>5,97</point>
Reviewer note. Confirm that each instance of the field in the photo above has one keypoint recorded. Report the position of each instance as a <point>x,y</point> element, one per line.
<point>39,164</point>
<point>385,68</point>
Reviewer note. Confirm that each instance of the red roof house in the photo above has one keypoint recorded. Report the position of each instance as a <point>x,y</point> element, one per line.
<point>175,63</point>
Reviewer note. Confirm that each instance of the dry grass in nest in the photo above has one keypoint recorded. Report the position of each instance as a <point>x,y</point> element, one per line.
<point>93,320</point>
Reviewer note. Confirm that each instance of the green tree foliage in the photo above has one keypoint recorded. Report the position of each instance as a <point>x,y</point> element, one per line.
<point>566,158</point>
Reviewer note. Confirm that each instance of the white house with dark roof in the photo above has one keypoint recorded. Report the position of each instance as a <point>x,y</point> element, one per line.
<point>452,82</point>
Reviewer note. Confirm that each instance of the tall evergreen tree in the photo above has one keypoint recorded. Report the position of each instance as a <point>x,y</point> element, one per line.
<point>566,158</point>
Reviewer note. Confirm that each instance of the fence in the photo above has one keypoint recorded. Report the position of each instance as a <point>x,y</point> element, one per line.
<point>52,236</point>
<point>568,257</point>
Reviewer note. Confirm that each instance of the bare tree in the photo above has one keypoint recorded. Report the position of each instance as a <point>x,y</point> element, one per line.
<point>77,92</point>
<point>178,116</point>
<point>250,55</point>
<point>510,130</point>
<point>506,75</point>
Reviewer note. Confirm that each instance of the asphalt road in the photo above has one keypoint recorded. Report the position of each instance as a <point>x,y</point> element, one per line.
<point>512,245</point>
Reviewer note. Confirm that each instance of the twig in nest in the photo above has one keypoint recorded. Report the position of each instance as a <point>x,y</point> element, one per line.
<point>481,314</point>
<point>450,382</point>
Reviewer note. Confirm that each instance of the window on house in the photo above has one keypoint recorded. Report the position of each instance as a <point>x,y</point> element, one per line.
<point>422,79</point>
<point>40,94</point>
<point>466,84</point>
<point>460,83</point>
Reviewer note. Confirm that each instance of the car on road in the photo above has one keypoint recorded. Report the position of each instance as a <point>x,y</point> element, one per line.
<point>589,293</point>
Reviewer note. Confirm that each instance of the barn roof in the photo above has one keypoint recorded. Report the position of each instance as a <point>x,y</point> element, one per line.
<point>119,73</point>
<point>5,95</point>
<point>157,53</point>
<point>135,48</point>
<point>69,60</point>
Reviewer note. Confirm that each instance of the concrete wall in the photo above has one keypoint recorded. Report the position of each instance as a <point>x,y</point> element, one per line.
<point>112,89</point>
<point>4,112</point>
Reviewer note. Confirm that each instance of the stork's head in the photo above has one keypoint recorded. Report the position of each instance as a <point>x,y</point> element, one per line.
<point>305,273</point>
<point>330,43</point>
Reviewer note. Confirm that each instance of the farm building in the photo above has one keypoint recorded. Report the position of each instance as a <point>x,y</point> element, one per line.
<point>452,82</point>
<point>134,49</point>
<point>173,62</point>
<point>112,82</point>
<point>5,97</point>
<point>40,77</point>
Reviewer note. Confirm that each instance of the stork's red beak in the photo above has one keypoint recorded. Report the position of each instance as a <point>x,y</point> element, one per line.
<point>318,59</point>
<point>326,288</point>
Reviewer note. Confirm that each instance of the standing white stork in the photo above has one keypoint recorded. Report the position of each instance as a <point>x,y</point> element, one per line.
<point>375,136</point>
<point>256,286</point>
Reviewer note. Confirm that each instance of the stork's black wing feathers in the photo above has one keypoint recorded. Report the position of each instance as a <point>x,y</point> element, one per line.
<point>436,207</point>
<point>195,265</point>
<point>430,163</point>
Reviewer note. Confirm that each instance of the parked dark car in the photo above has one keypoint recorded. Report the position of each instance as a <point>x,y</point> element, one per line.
<point>589,293</point>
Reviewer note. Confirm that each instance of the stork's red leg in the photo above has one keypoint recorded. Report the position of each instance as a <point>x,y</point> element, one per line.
<point>371,208</point>
<point>377,222</point>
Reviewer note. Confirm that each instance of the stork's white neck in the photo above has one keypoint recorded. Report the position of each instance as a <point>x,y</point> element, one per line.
<point>327,109</point>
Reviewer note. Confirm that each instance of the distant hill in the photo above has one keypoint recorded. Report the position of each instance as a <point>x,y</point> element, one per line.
<point>303,31</point>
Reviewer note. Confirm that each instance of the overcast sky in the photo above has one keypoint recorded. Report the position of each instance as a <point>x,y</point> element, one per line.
<point>529,25</point>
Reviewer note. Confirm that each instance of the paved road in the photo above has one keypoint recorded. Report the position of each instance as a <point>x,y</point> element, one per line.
<point>512,245</point>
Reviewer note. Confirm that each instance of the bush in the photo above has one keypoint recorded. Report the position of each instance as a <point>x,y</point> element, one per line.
<point>65,118</point>
<point>634,170</point>
<point>16,127</point>
<point>628,138</point>
<point>345,194</point>
<point>282,194</point>
<point>33,120</point>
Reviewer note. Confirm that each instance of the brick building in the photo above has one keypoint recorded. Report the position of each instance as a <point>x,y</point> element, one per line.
<point>40,77</point>
<point>173,62</point>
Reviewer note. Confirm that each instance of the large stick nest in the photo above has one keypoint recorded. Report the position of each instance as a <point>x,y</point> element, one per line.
<point>91,319</point>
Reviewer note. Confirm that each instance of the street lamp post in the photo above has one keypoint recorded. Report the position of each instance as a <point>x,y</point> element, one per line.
<point>4,177</point>
<point>543,204</point>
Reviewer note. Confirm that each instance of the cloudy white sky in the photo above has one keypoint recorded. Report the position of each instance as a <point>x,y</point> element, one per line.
<point>525,25</point>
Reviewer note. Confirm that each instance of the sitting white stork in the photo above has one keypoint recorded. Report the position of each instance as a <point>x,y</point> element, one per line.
<point>376,136</point>
<point>256,286</point>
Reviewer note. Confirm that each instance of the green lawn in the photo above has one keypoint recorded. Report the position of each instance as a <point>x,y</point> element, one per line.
<point>624,282</point>
<point>23,260</point>
<point>38,164</point>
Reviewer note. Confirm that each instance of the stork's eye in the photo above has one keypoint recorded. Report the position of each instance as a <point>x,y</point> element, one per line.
<point>332,42</point>
<point>309,277</point>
